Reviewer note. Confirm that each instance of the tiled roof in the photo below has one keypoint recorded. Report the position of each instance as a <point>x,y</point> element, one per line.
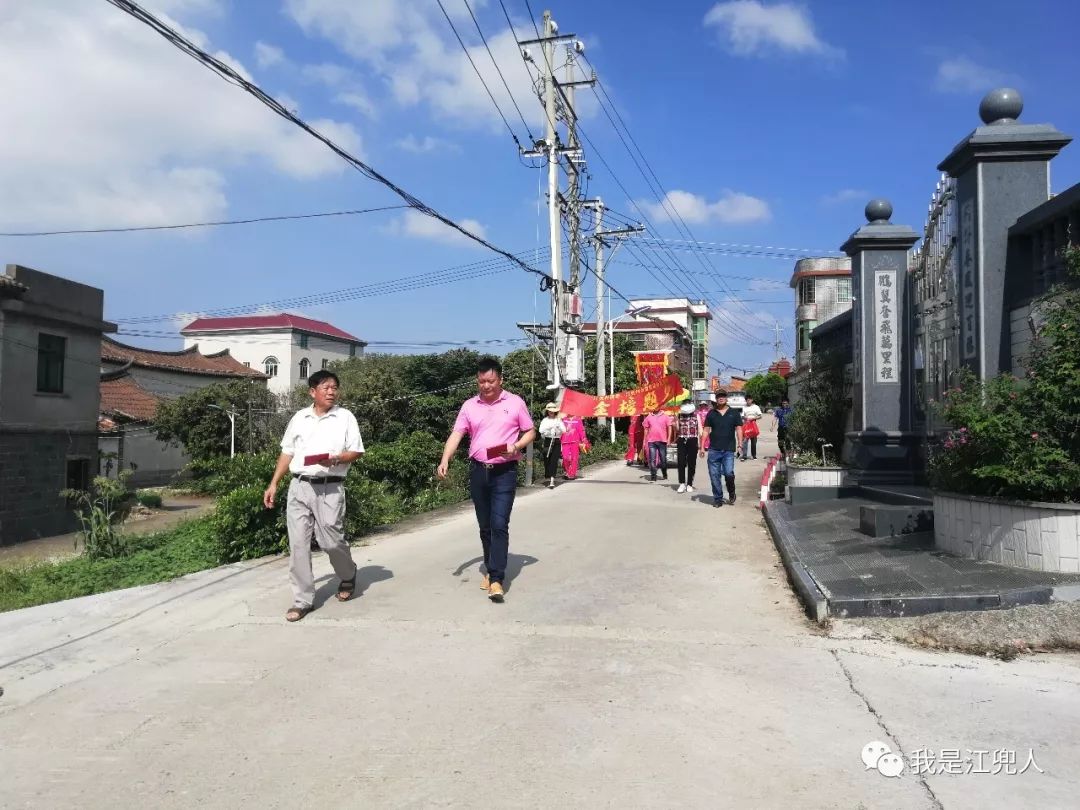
<point>221,364</point>
<point>123,397</point>
<point>282,321</point>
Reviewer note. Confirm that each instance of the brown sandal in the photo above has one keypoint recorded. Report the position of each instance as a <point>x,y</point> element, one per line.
<point>295,614</point>
<point>346,588</point>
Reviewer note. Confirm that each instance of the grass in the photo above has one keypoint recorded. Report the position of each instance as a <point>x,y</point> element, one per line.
<point>157,557</point>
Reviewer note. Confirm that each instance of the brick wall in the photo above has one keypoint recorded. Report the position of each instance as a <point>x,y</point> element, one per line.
<point>33,470</point>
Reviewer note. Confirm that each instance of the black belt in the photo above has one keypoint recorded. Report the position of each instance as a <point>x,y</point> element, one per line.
<point>326,479</point>
<point>488,466</point>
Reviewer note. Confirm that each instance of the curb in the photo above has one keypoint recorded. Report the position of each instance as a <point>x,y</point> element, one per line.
<point>817,606</point>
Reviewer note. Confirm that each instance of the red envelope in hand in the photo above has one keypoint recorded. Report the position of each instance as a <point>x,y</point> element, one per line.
<point>495,452</point>
<point>315,459</point>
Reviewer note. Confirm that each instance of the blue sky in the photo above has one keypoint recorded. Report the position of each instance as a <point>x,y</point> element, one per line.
<point>769,124</point>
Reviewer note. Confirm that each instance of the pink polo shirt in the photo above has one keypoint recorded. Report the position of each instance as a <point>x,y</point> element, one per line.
<point>657,427</point>
<point>493,424</point>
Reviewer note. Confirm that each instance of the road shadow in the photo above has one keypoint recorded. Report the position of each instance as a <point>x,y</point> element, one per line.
<point>366,576</point>
<point>514,564</point>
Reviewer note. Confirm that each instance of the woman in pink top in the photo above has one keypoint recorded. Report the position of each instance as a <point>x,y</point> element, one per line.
<point>573,442</point>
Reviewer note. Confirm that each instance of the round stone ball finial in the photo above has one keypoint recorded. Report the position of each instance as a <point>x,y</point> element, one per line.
<point>1001,106</point>
<point>878,212</point>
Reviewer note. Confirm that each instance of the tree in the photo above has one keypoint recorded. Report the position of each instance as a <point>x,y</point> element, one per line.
<point>205,432</point>
<point>766,389</point>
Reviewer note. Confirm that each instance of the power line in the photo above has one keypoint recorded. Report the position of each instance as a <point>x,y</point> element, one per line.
<point>658,189</point>
<point>498,69</point>
<point>281,218</point>
<point>476,70</point>
<point>406,283</point>
<point>229,74</point>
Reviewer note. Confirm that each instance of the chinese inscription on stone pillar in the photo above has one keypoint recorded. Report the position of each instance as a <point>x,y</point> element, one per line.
<point>968,314</point>
<point>887,347</point>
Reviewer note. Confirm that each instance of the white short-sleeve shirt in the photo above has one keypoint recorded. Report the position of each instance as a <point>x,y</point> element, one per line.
<point>336,431</point>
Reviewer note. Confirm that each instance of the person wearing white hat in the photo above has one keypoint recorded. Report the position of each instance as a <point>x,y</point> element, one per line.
<point>551,431</point>
<point>687,436</point>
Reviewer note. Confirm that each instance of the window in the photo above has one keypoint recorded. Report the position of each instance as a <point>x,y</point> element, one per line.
<point>78,473</point>
<point>807,291</point>
<point>325,364</point>
<point>303,341</point>
<point>270,365</point>
<point>805,329</point>
<point>305,368</point>
<point>247,364</point>
<point>50,363</point>
<point>352,350</point>
<point>843,290</point>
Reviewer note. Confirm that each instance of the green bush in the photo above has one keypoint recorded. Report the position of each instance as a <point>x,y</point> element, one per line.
<point>151,500</point>
<point>222,475</point>
<point>820,415</point>
<point>245,529</point>
<point>407,465</point>
<point>99,510</point>
<point>152,558</point>
<point>1020,439</point>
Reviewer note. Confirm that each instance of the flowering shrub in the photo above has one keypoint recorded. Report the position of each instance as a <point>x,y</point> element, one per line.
<point>1020,439</point>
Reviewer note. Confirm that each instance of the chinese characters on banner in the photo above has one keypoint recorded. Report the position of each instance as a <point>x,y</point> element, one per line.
<point>888,345</point>
<point>968,315</point>
<point>627,403</point>
<point>650,366</point>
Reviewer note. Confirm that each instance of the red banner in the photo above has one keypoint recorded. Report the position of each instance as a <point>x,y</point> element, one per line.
<point>628,403</point>
<point>650,366</point>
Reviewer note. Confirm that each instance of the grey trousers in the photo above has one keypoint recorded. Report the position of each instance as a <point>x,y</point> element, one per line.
<point>318,508</point>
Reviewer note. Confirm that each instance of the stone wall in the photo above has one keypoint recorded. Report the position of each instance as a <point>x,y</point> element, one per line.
<point>1041,537</point>
<point>33,471</point>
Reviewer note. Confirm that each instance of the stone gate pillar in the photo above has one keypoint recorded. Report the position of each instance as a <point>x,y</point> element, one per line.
<point>882,446</point>
<point>1002,171</point>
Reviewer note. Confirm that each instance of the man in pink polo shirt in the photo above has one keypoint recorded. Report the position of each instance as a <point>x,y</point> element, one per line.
<point>499,427</point>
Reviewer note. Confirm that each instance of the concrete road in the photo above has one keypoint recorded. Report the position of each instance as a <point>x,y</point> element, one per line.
<point>649,654</point>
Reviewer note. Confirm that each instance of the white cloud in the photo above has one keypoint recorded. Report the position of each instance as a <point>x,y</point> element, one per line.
<point>421,226</point>
<point>268,55</point>
<point>749,27</point>
<point>358,101</point>
<point>420,146</point>
<point>733,207</point>
<point>845,195</point>
<point>410,47</point>
<point>117,127</point>
<point>960,74</point>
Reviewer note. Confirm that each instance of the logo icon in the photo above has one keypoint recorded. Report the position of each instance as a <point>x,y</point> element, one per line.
<point>878,756</point>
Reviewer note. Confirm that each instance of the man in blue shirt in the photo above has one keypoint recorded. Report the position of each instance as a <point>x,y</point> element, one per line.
<point>780,422</point>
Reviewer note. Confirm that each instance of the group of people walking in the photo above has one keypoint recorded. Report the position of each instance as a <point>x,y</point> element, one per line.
<point>323,440</point>
<point>718,431</point>
<point>561,437</point>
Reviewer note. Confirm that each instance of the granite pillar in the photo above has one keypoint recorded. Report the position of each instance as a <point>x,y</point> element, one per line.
<point>882,446</point>
<point>1002,171</point>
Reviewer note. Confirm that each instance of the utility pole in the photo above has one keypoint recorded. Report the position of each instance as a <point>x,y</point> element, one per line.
<point>555,230</point>
<point>599,245</point>
<point>778,344</point>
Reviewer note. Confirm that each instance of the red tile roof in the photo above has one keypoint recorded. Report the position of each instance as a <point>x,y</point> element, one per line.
<point>281,321</point>
<point>125,398</point>
<point>220,364</point>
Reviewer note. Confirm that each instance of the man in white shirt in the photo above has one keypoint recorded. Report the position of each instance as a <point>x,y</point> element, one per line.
<point>750,414</point>
<point>320,443</point>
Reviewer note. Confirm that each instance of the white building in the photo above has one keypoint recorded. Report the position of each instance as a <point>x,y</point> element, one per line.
<point>287,348</point>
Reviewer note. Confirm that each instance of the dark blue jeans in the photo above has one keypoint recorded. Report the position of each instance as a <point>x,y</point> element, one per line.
<point>493,492</point>
<point>657,458</point>
<point>721,471</point>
